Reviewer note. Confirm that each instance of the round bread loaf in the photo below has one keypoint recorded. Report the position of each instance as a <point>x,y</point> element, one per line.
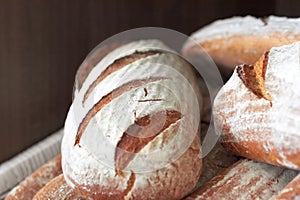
<point>241,40</point>
<point>257,111</point>
<point>132,130</point>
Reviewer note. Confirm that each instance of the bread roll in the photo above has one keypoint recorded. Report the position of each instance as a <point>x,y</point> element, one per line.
<point>33,183</point>
<point>57,189</point>
<point>291,191</point>
<point>240,40</point>
<point>246,180</point>
<point>131,132</point>
<point>257,111</point>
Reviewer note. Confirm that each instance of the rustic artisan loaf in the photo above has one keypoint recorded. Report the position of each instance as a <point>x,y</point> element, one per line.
<point>291,191</point>
<point>240,40</point>
<point>131,131</point>
<point>33,183</point>
<point>257,111</point>
<point>57,189</point>
<point>246,180</point>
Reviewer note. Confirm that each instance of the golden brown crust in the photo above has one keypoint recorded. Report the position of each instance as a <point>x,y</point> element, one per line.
<point>251,150</point>
<point>33,183</point>
<point>240,49</point>
<point>57,189</point>
<point>291,191</point>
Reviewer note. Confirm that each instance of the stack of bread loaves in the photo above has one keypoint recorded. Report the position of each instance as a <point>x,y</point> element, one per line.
<point>133,130</point>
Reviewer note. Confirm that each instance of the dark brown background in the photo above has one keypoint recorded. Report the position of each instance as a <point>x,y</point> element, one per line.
<point>43,42</point>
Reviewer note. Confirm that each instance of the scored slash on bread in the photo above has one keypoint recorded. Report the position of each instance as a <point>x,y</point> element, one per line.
<point>247,180</point>
<point>33,183</point>
<point>252,127</point>
<point>253,77</point>
<point>240,40</point>
<point>90,62</point>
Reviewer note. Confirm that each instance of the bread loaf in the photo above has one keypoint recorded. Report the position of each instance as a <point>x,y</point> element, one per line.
<point>240,40</point>
<point>57,189</point>
<point>246,180</point>
<point>131,132</point>
<point>33,183</point>
<point>257,111</point>
<point>291,191</point>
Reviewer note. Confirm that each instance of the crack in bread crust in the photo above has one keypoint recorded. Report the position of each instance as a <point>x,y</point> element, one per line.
<point>107,99</point>
<point>130,184</point>
<point>139,134</point>
<point>115,66</point>
<point>92,59</point>
<point>253,77</point>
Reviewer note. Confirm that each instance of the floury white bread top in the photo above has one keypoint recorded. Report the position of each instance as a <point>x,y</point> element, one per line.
<point>154,98</point>
<point>241,40</point>
<point>246,26</point>
<point>261,129</point>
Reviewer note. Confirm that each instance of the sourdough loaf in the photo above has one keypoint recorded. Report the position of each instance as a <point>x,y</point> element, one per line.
<point>131,131</point>
<point>246,180</point>
<point>240,40</point>
<point>257,111</point>
<point>33,183</point>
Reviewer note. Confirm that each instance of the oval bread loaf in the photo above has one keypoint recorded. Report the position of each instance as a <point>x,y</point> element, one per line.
<point>246,180</point>
<point>240,40</point>
<point>131,132</point>
<point>257,111</point>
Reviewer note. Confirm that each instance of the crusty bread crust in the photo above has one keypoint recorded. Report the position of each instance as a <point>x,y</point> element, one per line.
<point>261,121</point>
<point>242,40</point>
<point>33,183</point>
<point>247,180</point>
<point>57,189</point>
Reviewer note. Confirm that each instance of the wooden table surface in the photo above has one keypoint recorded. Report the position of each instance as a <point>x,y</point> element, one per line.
<point>43,42</point>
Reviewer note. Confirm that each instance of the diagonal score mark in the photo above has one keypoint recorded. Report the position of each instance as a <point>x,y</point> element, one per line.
<point>139,134</point>
<point>115,66</point>
<point>108,98</point>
